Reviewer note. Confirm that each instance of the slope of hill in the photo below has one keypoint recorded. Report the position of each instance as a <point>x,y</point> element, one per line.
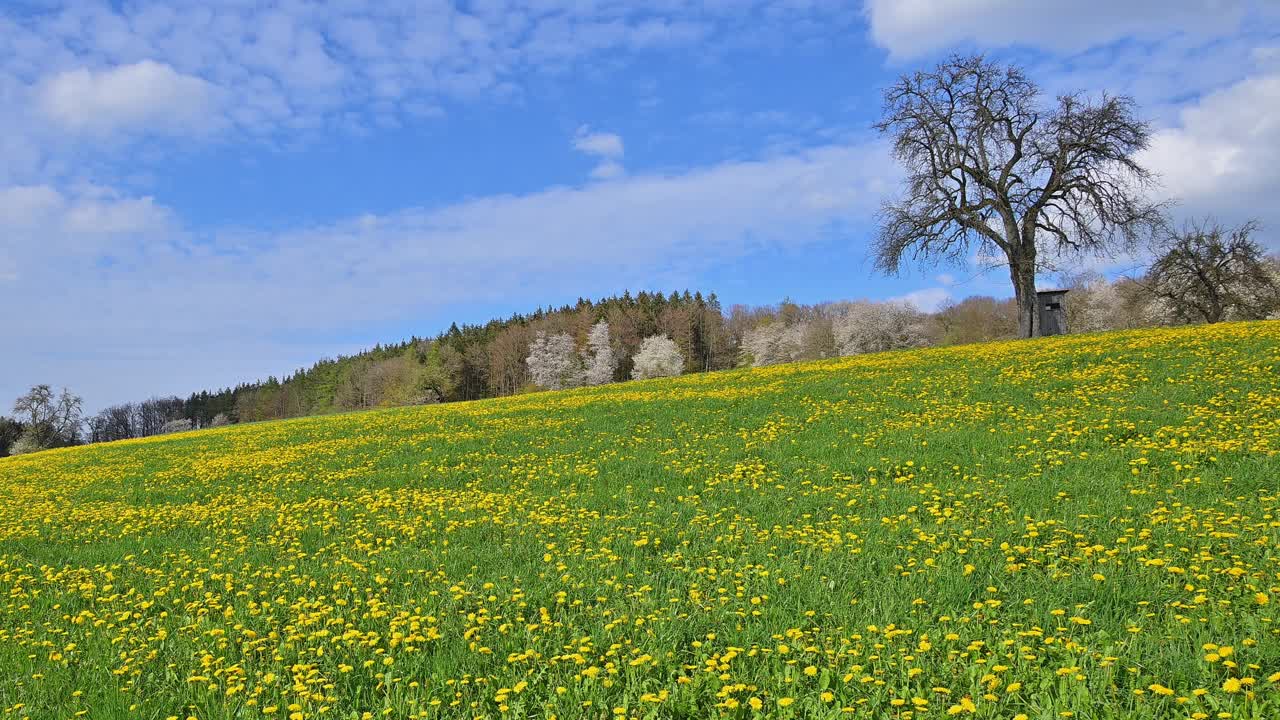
<point>472,361</point>
<point>1086,524</point>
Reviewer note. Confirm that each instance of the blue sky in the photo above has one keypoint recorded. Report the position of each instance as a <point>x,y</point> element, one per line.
<point>197,193</point>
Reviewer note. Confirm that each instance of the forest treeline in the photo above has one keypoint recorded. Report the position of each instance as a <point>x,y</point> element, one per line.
<point>651,334</point>
<point>465,362</point>
<point>470,362</point>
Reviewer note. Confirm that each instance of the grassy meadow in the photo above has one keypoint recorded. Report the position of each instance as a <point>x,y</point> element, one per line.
<point>1086,527</point>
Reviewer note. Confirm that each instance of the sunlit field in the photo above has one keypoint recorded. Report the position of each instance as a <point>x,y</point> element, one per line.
<point>1080,527</point>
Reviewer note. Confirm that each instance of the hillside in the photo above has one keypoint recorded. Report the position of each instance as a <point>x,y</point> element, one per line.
<point>467,362</point>
<point>1085,524</point>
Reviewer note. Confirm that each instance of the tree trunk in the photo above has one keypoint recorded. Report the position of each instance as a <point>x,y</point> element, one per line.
<point>1023,274</point>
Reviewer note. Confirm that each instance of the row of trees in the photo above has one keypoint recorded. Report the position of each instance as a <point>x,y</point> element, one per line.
<point>994,170</point>
<point>1205,273</point>
<point>555,362</point>
<point>157,416</point>
<point>45,419</point>
<point>795,332</point>
<point>470,362</point>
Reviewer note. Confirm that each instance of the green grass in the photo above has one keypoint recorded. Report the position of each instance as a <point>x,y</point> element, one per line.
<point>1069,525</point>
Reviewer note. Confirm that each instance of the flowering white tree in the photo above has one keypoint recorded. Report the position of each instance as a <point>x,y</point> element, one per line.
<point>1210,273</point>
<point>774,342</point>
<point>600,360</point>
<point>174,426</point>
<point>1093,306</point>
<point>51,420</point>
<point>864,327</point>
<point>553,362</point>
<point>1273,271</point>
<point>658,356</point>
<point>1096,303</point>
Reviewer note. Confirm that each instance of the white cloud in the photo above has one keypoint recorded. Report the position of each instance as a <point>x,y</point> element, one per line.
<point>608,170</point>
<point>49,237</point>
<point>606,147</point>
<point>1224,155</point>
<point>1206,71</point>
<point>242,287</point>
<point>136,286</point>
<point>42,210</point>
<point>925,300</point>
<point>46,233</point>
<point>146,95</point>
<point>1268,56</point>
<point>289,71</point>
<point>910,28</point>
<point>27,207</point>
<point>112,215</point>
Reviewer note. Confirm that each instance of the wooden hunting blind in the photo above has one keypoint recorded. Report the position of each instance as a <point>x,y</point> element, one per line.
<point>1052,307</point>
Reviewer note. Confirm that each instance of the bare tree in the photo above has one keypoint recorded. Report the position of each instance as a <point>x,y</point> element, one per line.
<point>380,383</point>
<point>151,415</point>
<point>397,379</point>
<point>1208,273</point>
<point>507,351</point>
<point>975,319</point>
<point>113,423</point>
<point>36,406</point>
<point>993,170</point>
<point>819,337</point>
<point>49,420</point>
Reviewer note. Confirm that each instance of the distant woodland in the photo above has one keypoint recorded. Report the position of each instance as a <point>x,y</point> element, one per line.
<point>470,362</point>
<point>651,334</point>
